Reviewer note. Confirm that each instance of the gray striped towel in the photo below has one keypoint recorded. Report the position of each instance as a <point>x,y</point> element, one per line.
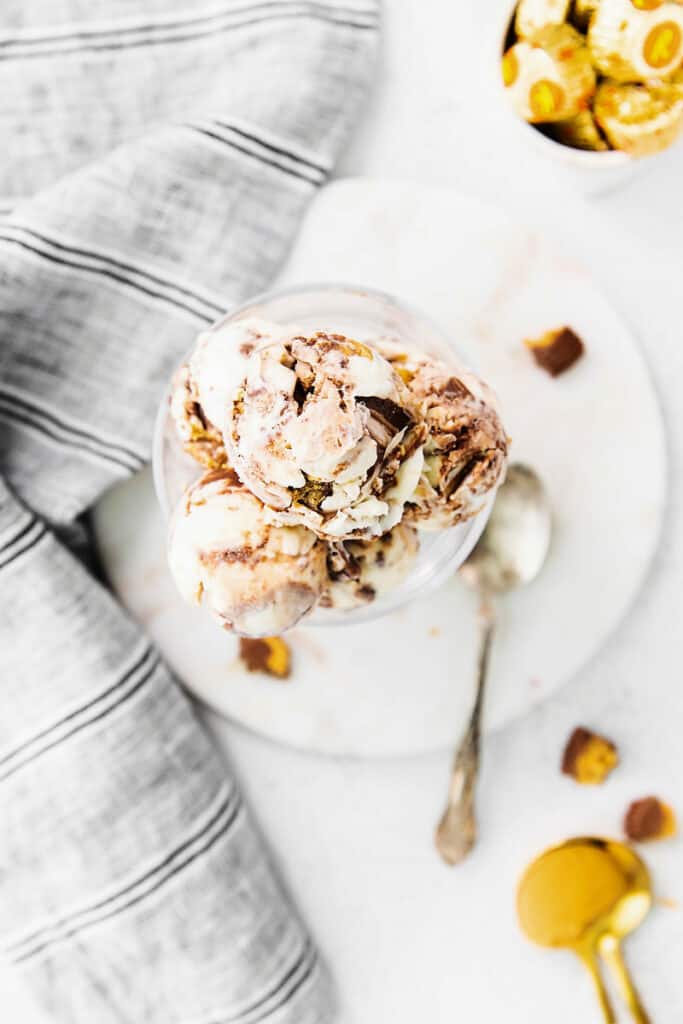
<point>158,157</point>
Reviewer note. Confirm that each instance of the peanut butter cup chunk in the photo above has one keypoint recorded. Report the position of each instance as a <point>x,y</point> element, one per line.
<point>269,655</point>
<point>589,758</point>
<point>649,819</point>
<point>556,351</point>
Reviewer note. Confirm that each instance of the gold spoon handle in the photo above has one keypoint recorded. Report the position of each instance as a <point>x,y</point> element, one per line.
<point>610,950</point>
<point>591,964</point>
<point>457,830</point>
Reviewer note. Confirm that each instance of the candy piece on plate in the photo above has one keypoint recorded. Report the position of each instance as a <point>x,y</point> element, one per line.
<point>556,351</point>
<point>588,757</point>
<point>270,655</point>
<point>648,819</point>
<point>533,15</point>
<point>549,77</point>
<point>638,119</point>
<point>632,43</point>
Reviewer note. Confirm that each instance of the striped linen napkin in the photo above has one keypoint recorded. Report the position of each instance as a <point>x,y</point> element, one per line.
<point>159,155</point>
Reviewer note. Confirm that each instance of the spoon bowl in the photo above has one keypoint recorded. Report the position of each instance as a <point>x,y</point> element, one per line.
<point>586,895</point>
<point>513,547</point>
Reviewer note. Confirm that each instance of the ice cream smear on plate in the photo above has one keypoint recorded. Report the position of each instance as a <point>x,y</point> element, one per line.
<point>327,456</point>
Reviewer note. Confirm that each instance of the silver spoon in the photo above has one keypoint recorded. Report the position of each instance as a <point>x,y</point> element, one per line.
<point>510,552</point>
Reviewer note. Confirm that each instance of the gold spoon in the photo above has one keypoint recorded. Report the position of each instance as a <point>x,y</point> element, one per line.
<point>586,895</point>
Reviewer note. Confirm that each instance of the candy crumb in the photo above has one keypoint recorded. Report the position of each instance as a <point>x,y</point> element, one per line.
<point>589,758</point>
<point>269,655</point>
<point>649,819</point>
<point>556,351</point>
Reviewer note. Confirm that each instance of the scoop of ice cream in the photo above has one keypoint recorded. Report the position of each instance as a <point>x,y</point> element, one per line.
<point>199,437</point>
<point>205,384</point>
<point>361,570</point>
<point>257,578</point>
<point>326,434</point>
<point>466,448</point>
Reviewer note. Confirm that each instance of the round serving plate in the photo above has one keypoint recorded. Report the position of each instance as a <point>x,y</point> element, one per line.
<point>402,684</point>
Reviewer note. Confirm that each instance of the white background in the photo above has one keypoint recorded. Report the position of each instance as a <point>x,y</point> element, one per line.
<point>407,939</point>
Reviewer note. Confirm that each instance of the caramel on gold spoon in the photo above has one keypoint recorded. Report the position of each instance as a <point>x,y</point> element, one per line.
<point>586,895</point>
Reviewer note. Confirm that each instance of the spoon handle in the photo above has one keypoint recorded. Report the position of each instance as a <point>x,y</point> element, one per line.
<point>457,830</point>
<point>610,950</point>
<point>591,964</point>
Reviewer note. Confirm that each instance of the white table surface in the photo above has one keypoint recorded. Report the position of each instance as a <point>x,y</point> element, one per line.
<point>409,940</point>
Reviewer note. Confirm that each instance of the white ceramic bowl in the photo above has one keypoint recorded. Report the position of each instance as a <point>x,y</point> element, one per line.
<point>589,171</point>
<point>363,314</point>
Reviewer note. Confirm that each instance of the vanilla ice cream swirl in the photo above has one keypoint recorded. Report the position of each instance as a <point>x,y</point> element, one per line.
<point>256,578</point>
<point>325,433</point>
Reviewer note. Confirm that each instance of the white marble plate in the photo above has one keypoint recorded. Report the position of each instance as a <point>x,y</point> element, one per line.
<point>403,684</point>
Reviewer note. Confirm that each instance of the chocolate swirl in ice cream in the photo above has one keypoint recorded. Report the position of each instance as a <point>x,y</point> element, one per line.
<point>256,578</point>
<point>326,434</point>
<point>466,448</point>
<point>204,385</point>
<point>200,438</point>
<point>361,570</point>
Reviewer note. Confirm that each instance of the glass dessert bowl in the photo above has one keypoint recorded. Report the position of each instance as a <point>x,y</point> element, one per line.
<point>343,323</point>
